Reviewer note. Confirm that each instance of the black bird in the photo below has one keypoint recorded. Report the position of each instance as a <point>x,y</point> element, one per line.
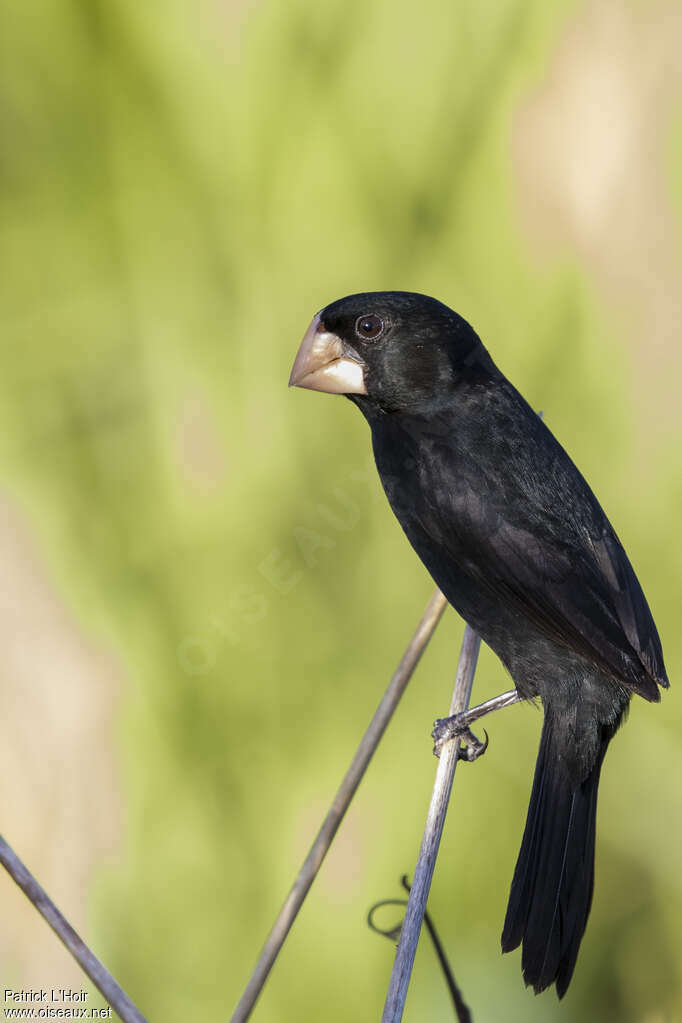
<point>516,540</point>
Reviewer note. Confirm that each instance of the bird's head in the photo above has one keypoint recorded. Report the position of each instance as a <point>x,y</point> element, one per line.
<point>387,350</point>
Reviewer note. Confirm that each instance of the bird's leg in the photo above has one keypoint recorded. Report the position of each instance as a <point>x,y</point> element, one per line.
<point>458,726</point>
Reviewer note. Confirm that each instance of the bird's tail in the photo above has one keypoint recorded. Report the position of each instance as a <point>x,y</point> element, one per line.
<point>551,892</point>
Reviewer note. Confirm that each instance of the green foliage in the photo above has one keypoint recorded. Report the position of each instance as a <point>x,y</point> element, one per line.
<point>183,187</point>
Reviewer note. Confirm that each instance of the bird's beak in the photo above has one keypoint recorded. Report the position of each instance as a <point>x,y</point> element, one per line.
<point>324,364</point>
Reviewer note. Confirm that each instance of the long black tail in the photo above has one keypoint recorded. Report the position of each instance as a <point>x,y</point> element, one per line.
<point>551,892</point>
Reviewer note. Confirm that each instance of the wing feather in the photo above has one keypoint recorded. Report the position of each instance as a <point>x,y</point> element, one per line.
<point>578,588</point>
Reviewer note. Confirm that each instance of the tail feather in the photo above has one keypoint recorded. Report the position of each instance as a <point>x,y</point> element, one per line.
<point>551,892</point>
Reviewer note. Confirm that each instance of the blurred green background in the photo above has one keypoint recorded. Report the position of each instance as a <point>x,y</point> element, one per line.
<point>204,589</point>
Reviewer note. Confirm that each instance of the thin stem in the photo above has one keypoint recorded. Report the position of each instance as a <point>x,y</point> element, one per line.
<point>347,789</point>
<point>89,963</point>
<point>461,1008</point>
<point>416,906</point>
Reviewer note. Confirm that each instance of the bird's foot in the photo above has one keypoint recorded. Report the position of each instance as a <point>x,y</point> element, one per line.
<point>469,748</point>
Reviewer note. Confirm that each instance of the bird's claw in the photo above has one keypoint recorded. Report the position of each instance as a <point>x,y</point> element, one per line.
<point>470,748</point>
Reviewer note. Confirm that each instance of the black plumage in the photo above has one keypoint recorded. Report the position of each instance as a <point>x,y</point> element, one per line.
<point>516,540</point>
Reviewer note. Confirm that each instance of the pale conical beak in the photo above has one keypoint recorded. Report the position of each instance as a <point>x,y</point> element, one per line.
<point>322,365</point>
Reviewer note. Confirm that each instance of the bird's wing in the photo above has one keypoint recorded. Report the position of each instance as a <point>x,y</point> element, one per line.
<point>565,571</point>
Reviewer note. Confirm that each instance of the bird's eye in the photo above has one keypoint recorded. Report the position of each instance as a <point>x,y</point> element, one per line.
<point>369,327</point>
